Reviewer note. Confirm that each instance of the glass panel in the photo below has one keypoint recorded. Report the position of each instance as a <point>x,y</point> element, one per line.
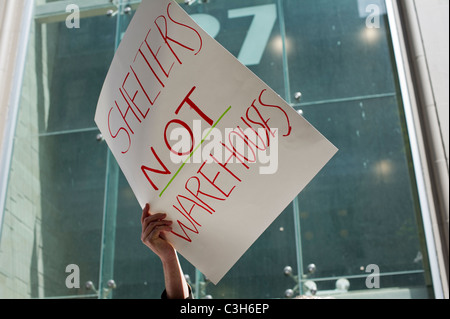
<point>250,30</point>
<point>112,196</point>
<point>332,54</point>
<point>108,243</point>
<point>260,273</point>
<point>362,209</point>
<point>77,61</point>
<point>72,187</point>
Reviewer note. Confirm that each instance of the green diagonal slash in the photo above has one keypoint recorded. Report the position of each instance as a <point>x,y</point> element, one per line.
<point>192,153</point>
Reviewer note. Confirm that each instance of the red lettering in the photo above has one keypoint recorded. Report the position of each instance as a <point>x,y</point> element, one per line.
<point>189,131</point>
<point>155,56</point>
<point>194,106</point>
<point>223,180</point>
<point>188,216</point>
<point>167,38</point>
<point>134,96</point>
<point>145,169</point>
<point>246,142</point>
<point>126,112</point>
<point>213,181</point>
<point>263,122</point>
<point>163,31</point>
<point>233,154</point>
<point>183,227</point>
<point>148,64</point>
<point>142,87</point>
<point>194,203</point>
<point>197,192</point>
<point>117,133</point>
<point>184,25</point>
<point>256,144</point>
<point>278,107</point>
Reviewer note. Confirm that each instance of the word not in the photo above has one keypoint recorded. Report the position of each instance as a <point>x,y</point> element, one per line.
<point>163,168</point>
<point>373,280</point>
<point>73,280</point>
<point>73,19</point>
<point>156,59</point>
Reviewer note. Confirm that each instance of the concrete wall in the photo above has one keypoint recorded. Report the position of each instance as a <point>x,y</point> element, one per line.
<point>433,19</point>
<point>425,25</point>
<point>20,249</point>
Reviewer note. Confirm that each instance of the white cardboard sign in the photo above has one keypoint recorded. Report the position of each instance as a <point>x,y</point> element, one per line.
<point>201,138</point>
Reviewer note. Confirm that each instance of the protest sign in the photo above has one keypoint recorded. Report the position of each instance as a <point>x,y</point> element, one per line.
<point>201,138</point>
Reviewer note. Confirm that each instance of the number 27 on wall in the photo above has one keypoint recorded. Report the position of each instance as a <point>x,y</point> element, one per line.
<point>264,17</point>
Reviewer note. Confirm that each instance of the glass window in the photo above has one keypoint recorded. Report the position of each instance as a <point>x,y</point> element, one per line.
<point>359,217</point>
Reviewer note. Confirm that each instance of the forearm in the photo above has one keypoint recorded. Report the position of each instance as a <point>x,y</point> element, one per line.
<point>176,285</point>
<point>154,226</point>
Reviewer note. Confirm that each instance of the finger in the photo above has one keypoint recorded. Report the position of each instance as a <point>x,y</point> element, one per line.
<point>156,233</point>
<point>150,227</point>
<point>159,231</point>
<point>153,218</point>
<point>145,212</point>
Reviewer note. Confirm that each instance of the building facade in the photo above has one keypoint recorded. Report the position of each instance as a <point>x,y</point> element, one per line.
<point>371,75</point>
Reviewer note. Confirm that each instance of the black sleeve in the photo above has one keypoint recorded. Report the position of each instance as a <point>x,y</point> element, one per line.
<point>164,294</point>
